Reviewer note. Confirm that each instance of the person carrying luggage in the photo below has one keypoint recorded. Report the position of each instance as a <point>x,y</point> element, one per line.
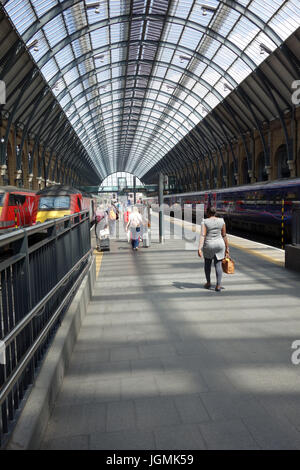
<point>101,223</point>
<point>134,224</point>
<point>214,243</point>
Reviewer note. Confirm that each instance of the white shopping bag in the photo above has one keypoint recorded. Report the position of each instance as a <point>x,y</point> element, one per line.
<point>104,233</point>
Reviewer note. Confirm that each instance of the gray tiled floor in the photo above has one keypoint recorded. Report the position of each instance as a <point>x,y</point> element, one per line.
<point>161,363</point>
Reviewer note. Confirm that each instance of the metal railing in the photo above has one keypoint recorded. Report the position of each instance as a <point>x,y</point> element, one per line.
<point>41,268</point>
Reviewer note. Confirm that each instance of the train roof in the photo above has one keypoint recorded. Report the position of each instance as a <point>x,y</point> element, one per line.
<point>246,187</point>
<point>9,189</point>
<point>58,190</point>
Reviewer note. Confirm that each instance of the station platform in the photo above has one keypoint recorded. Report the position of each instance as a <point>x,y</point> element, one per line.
<point>162,363</point>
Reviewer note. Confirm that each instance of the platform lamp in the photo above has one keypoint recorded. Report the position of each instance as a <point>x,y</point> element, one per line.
<point>206,8</point>
<point>18,172</point>
<point>100,57</point>
<point>264,49</point>
<point>34,45</point>
<point>4,166</point>
<point>183,58</point>
<point>227,87</point>
<point>94,6</point>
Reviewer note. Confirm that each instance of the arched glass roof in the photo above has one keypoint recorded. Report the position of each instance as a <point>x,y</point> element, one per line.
<point>134,77</point>
<point>119,180</point>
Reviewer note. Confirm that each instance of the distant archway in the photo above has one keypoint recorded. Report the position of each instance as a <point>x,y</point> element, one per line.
<point>281,161</point>
<point>232,180</point>
<point>221,177</point>
<point>212,179</point>
<point>261,171</point>
<point>120,181</point>
<point>245,174</point>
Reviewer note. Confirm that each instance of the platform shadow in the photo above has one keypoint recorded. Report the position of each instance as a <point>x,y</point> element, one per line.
<point>186,285</point>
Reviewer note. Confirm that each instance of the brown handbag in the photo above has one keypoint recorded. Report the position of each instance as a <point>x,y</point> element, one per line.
<point>228,265</point>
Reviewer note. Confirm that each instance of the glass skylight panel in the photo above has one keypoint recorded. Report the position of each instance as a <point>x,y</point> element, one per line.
<point>55,30</point>
<point>254,51</point>
<point>190,38</point>
<point>115,32</point>
<point>197,16</point>
<point>210,49</point>
<point>71,76</point>
<point>43,46</point>
<point>49,69</point>
<point>64,56</point>
<point>104,75</point>
<point>194,118</point>
<point>239,70</point>
<point>200,90</point>
<point>75,18</point>
<point>224,57</point>
<point>115,8</point>
<point>212,100</point>
<point>99,37</point>
<point>116,55</point>
<point>80,102</point>
<point>191,101</point>
<point>226,22</point>
<point>265,8</point>
<point>243,33</point>
<point>21,14</point>
<point>75,91</point>
<point>287,20</point>
<point>134,131</point>
<point>172,32</point>
<point>43,6</point>
<point>65,100</point>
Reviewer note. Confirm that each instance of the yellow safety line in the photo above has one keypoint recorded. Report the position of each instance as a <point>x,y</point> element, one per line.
<point>250,251</point>
<point>99,256</point>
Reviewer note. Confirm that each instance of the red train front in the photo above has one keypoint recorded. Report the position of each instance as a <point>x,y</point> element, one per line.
<point>57,201</point>
<point>17,207</point>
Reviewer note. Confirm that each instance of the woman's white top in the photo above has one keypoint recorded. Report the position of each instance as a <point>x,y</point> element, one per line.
<point>214,243</point>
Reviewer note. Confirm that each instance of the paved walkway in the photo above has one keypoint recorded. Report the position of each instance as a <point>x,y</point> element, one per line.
<point>161,363</point>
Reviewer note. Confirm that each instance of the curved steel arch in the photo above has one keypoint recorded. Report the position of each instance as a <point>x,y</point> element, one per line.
<point>119,100</point>
<point>66,4</point>
<point>123,44</point>
<point>90,74</point>
<point>218,117</point>
<point>109,111</point>
<point>124,19</point>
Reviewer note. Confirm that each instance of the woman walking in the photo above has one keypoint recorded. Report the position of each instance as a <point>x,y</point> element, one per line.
<point>213,241</point>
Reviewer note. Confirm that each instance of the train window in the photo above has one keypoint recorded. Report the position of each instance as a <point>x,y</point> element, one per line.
<point>11,200</point>
<point>20,199</point>
<point>1,198</point>
<point>79,203</point>
<point>260,195</point>
<point>290,196</point>
<point>54,202</point>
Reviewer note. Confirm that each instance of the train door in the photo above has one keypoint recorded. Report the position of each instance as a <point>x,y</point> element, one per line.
<point>16,209</point>
<point>214,199</point>
<point>79,204</point>
<point>207,201</point>
<point>29,208</point>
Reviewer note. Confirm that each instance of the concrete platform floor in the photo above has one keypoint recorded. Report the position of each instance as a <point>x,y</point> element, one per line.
<point>162,363</point>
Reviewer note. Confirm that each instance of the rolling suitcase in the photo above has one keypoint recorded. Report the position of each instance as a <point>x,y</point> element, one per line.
<point>104,244</point>
<point>104,240</point>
